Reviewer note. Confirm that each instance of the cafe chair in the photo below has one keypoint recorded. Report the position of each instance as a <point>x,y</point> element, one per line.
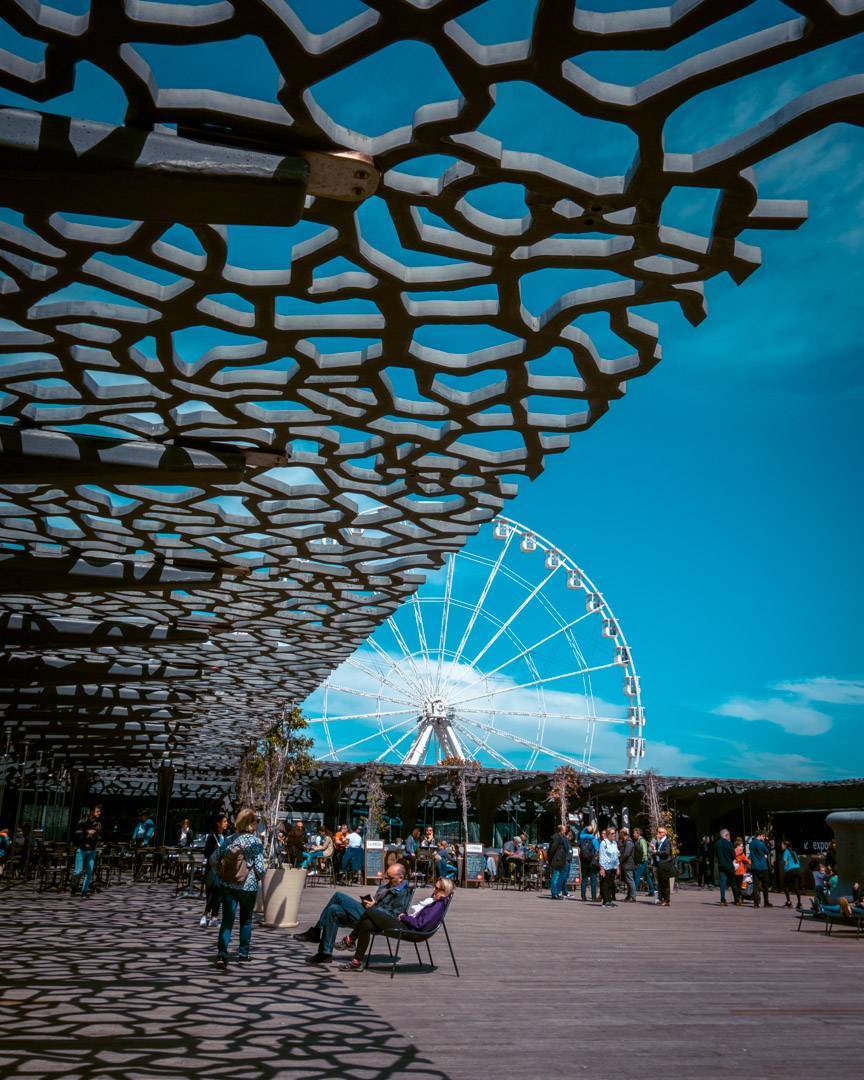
<point>416,938</point>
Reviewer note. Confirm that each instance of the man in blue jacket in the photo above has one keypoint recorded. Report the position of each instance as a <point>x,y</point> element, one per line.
<point>760,868</point>
<point>725,853</point>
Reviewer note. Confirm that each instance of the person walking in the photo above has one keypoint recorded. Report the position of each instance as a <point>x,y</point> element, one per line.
<point>213,847</point>
<point>589,847</point>
<point>642,858</point>
<point>791,874</point>
<point>627,851</point>
<point>664,865</point>
<point>241,868</point>
<point>760,868</point>
<point>726,873</point>
<point>609,859</point>
<point>87,838</point>
<point>559,856</point>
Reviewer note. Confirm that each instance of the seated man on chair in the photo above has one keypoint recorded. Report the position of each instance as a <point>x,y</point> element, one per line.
<point>423,918</point>
<point>392,898</point>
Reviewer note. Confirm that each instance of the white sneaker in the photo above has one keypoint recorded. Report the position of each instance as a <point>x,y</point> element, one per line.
<point>204,921</point>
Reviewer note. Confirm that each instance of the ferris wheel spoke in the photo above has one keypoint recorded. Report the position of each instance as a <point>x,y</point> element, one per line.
<point>535,682</point>
<point>368,694</point>
<point>542,641</point>
<point>374,735</point>
<point>406,652</point>
<point>475,614</point>
<point>587,717</point>
<point>421,636</point>
<point>530,744</point>
<point>359,716</point>
<point>515,615</point>
<point>393,746</point>
<point>483,746</point>
<point>327,734</point>
<point>374,674</point>
<point>445,618</point>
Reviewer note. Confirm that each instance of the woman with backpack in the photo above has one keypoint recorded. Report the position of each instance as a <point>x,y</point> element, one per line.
<point>241,868</point>
<point>791,874</point>
<point>212,853</point>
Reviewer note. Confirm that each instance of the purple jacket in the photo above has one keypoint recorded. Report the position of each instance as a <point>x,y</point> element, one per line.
<point>427,918</point>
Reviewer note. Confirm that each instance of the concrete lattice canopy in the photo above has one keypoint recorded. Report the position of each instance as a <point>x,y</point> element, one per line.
<point>190,539</point>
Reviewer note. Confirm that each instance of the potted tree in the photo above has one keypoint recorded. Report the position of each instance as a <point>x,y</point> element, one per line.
<point>279,757</point>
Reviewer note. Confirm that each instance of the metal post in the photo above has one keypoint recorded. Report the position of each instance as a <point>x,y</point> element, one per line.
<point>20,794</point>
<point>33,820</point>
<point>6,763</point>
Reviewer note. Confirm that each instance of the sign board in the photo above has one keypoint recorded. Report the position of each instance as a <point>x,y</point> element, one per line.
<point>374,861</point>
<point>475,864</point>
<point>573,878</point>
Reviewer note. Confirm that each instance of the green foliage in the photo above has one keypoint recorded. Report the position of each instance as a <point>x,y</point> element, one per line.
<point>376,798</point>
<point>280,755</point>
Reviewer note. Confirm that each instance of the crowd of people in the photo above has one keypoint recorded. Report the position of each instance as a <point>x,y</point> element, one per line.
<point>611,865</point>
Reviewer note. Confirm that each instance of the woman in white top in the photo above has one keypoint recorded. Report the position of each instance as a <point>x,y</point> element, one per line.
<point>609,863</point>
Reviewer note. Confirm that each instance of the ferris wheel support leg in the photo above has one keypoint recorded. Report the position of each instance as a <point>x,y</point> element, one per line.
<point>419,747</point>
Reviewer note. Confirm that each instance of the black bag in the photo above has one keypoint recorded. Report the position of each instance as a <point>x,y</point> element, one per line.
<point>586,849</point>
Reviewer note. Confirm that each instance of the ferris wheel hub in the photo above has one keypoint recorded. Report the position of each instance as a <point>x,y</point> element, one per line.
<point>434,709</point>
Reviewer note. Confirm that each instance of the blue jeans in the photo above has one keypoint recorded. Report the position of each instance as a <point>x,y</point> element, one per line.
<point>232,899</point>
<point>342,910</point>
<point>309,857</point>
<point>352,860</point>
<point>729,877</point>
<point>589,874</point>
<point>446,870</point>
<point>84,863</point>
<point>643,869</point>
<point>558,882</point>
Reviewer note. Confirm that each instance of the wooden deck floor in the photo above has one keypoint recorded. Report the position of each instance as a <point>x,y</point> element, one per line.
<point>121,986</point>
<point>694,990</point>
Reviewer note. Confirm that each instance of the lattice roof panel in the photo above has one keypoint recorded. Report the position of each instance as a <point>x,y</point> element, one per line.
<point>238,471</point>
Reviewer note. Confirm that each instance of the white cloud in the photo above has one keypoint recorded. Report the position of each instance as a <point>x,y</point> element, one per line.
<point>826,689</point>
<point>795,717</point>
<point>519,711</point>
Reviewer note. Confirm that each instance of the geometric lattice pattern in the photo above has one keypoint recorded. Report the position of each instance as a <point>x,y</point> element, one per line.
<point>288,451</point>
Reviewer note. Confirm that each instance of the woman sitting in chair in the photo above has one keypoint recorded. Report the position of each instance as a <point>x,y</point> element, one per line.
<point>323,850</point>
<point>422,918</point>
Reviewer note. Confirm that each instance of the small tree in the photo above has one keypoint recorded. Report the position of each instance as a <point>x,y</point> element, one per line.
<point>461,767</point>
<point>657,813</point>
<point>376,799</point>
<point>566,785</point>
<point>279,757</point>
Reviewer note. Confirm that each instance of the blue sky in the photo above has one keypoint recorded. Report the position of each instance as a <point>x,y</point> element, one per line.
<point>719,504</point>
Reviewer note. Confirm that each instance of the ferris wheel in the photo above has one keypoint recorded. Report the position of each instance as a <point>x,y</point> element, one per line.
<point>509,656</point>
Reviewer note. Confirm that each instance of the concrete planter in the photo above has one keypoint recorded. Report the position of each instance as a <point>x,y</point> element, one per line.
<point>280,894</point>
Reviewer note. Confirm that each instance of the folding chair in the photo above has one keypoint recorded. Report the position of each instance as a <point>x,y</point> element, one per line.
<point>416,937</point>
